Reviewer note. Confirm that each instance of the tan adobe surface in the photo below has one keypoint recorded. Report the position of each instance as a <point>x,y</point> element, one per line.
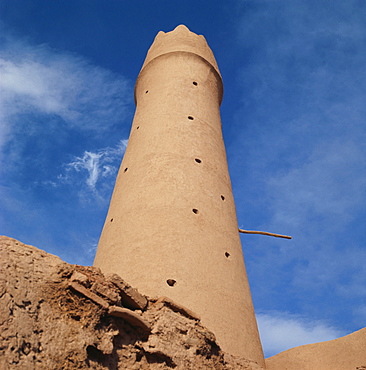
<point>346,353</point>
<point>171,229</point>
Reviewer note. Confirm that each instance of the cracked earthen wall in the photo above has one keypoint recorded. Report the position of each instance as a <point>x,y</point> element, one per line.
<point>171,229</point>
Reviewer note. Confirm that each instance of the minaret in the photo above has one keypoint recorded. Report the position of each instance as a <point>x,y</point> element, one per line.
<point>171,228</point>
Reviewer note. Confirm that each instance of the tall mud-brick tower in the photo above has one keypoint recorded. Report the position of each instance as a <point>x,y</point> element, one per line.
<point>171,228</point>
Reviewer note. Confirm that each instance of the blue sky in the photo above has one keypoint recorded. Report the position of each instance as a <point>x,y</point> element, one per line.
<point>294,122</point>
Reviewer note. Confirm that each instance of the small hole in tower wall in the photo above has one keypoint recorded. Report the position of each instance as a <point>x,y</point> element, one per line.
<point>146,91</point>
<point>195,83</point>
<point>227,254</point>
<point>171,282</point>
<point>222,197</point>
<point>191,118</point>
<point>125,169</point>
<point>111,219</point>
<point>197,160</point>
<point>194,210</point>
<point>137,127</point>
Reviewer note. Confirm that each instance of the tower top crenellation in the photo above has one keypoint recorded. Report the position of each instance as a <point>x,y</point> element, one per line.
<point>181,39</point>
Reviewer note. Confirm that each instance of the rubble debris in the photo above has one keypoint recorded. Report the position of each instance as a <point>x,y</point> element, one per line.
<point>131,317</point>
<point>87,293</point>
<point>111,296</point>
<point>131,298</point>
<point>178,308</point>
<point>80,278</point>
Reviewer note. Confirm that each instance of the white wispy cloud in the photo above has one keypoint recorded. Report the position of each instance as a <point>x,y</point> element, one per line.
<point>40,82</point>
<point>281,331</point>
<point>94,166</point>
<point>53,103</point>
